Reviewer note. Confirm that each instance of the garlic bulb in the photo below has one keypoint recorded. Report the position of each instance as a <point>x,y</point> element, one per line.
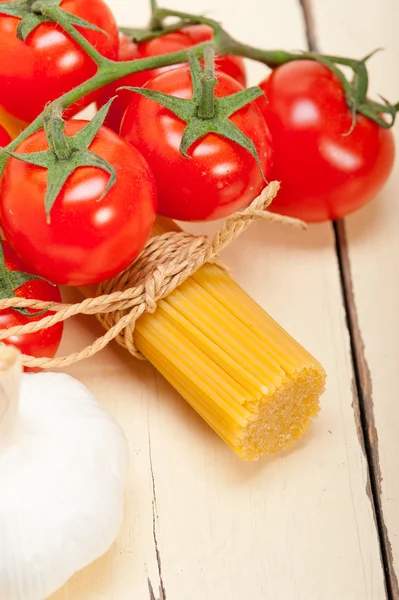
<point>62,471</point>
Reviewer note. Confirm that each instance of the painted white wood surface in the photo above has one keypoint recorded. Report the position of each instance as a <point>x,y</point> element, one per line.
<point>298,526</point>
<point>373,235</point>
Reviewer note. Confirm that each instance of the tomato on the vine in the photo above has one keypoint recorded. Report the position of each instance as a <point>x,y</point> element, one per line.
<point>44,342</point>
<point>220,176</point>
<point>4,137</point>
<point>88,238</point>
<point>49,63</point>
<point>170,42</point>
<point>326,170</point>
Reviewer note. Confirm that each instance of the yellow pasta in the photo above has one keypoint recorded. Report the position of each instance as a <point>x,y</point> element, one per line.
<point>12,125</point>
<point>247,378</point>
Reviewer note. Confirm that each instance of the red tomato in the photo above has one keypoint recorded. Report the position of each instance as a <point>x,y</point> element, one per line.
<point>41,343</point>
<point>128,50</point>
<point>170,42</point>
<point>49,63</point>
<point>4,137</point>
<point>324,173</point>
<point>87,240</point>
<point>220,176</point>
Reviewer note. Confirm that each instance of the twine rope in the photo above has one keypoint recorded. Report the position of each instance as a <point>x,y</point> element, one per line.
<point>166,262</point>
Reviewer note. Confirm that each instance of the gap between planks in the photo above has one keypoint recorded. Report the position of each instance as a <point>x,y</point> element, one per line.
<point>162,591</point>
<point>362,389</point>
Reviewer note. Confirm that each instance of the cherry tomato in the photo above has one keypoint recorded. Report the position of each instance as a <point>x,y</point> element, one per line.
<point>4,137</point>
<point>325,174</point>
<point>88,239</point>
<point>49,63</point>
<point>41,343</point>
<point>220,176</point>
<point>170,42</point>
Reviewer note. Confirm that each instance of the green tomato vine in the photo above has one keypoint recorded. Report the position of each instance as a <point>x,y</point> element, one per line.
<point>202,114</point>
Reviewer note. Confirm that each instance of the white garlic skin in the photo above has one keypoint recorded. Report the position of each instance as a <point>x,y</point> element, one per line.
<point>62,477</point>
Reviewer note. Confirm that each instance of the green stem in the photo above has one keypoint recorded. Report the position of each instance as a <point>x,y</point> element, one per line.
<point>206,107</point>
<point>225,44</point>
<point>209,61</point>
<point>361,82</point>
<point>57,15</point>
<point>155,21</point>
<point>153,62</point>
<point>58,142</point>
<point>145,35</point>
<point>270,58</point>
<point>163,13</point>
<point>276,58</point>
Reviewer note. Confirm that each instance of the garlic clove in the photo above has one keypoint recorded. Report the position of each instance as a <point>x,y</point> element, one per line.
<point>62,477</point>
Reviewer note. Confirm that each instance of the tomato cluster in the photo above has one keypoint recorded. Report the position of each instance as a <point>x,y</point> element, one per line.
<point>300,133</point>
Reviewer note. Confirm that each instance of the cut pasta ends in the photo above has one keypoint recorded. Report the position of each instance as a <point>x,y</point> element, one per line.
<point>244,374</point>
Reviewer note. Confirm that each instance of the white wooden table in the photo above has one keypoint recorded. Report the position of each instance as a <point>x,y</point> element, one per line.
<point>318,523</point>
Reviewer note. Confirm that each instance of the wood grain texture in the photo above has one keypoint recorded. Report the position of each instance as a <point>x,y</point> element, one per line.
<point>371,244</point>
<point>199,524</point>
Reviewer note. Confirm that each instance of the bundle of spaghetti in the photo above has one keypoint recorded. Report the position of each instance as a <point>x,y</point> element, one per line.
<point>241,371</point>
<point>245,375</point>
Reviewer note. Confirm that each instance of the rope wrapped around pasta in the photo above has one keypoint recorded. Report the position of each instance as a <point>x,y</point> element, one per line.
<point>178,308</point>
<point>241,371</point>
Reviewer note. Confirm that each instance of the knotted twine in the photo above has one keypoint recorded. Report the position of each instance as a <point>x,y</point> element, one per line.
<point>166,262</point>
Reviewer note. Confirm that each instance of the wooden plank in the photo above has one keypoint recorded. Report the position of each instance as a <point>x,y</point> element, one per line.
<point>370,251</point>
<point>199,524</point>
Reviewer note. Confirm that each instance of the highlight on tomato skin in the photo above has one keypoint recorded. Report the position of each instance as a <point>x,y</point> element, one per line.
<point>170,42</point>
<point>48,63</point>
<point>42,343</point>
<point>87,240</point>
<point>325,172</point>
<point>219,177</point>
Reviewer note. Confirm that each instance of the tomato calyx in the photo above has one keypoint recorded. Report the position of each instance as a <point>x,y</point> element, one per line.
<point>66,153</point>
<point>205,113</point>
<point>29,11</point>
<point>355,89</point>
<point>11,280</point>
